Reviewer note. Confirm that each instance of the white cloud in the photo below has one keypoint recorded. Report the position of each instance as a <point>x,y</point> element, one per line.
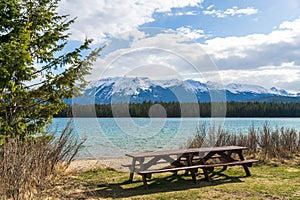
<point>175,53</point>
<point>99,18</point>
<point>187,13</point>
<point>191,33</point>
<point>281,45</point>
<point>251,59</point>
<point>230,11</point>
<point>267,60</point>
<point>264,59</point>
<point>283,77</point>
<point>210,7</point>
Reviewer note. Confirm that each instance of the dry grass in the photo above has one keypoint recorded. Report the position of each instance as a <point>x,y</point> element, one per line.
<point>265,144</point>
<point>30,165</point>
<point>272,181</point>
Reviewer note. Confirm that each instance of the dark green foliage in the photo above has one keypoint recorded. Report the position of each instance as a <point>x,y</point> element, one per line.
<point>266,109</point>
<point>173,109</point>
<point>36,73</point>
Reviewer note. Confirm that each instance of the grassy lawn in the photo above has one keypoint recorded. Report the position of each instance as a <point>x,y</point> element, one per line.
<point>266,182</point>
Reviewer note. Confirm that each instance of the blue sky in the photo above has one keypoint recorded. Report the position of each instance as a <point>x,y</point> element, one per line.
<point>211,16</point>
<point>224,41</point>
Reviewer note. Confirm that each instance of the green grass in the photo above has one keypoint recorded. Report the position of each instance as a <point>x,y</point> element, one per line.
<point>266,182</point>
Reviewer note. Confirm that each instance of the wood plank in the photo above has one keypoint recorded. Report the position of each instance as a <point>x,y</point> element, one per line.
<point>242,162</point>
<point>186,151</point>
<point>169,169</point>
<point>137,165</point>
<point>196,166</point>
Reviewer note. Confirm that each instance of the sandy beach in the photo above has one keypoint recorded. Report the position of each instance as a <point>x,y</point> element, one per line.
<point>84,164</point>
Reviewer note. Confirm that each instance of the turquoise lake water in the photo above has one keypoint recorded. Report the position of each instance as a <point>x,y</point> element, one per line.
<point>113,137</point>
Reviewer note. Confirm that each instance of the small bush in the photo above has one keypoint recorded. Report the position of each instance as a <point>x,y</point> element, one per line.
<point>28,166</point>
<point>264,144</point>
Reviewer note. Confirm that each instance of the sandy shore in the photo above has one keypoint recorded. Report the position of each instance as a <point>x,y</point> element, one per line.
<point>91,163</point>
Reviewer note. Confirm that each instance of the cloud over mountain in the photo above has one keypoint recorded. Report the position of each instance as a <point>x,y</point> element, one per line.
<point>249,41</point>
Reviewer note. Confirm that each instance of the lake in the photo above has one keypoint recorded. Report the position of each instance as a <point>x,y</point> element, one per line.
<point>113,137</point>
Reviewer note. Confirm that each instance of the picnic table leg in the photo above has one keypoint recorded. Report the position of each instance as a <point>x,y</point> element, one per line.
<point>131,176</point>
<point>222,159</point>
<point>205,171</point>
<point>145,181</point>
<point>132,169</point>
<point>247,171</point>
<point>193,174</point>
<point>189,162</point>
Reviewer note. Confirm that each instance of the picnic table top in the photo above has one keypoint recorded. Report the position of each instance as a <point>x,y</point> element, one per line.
<point>185,151</point>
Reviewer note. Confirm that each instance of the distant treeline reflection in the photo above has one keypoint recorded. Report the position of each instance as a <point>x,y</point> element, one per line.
<point>175,109</point>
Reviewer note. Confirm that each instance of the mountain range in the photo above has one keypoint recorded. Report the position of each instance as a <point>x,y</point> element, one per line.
<point>139,89</point>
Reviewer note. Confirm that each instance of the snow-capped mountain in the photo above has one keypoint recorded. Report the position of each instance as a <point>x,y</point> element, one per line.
<point>139,89</point>
<point>244,88</point>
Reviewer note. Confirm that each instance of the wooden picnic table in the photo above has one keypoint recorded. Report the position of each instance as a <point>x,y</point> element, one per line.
<point>188,159</point>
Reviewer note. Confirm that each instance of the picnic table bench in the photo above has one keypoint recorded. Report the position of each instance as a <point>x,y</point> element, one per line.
<point>189,160</point>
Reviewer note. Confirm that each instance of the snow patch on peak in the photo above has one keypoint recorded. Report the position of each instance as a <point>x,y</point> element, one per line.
<point>240,88</point>
<point>281,92</point>
<point>131,86</point>
<point>214,86</point>
<point>103,82</point>
<point>167,83</point>
<point>193,85</point>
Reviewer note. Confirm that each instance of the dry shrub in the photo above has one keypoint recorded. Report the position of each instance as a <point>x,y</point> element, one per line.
<point>198,139</point>
<point>28,166</point>
<point>264,144</point>
<point>211,137</point>
<point>279,144</point>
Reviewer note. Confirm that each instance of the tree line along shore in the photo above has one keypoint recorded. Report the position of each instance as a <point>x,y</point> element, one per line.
<point>176,109</point>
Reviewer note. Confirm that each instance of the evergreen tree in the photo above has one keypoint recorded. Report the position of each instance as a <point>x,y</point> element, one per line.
<point>37,73</point>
